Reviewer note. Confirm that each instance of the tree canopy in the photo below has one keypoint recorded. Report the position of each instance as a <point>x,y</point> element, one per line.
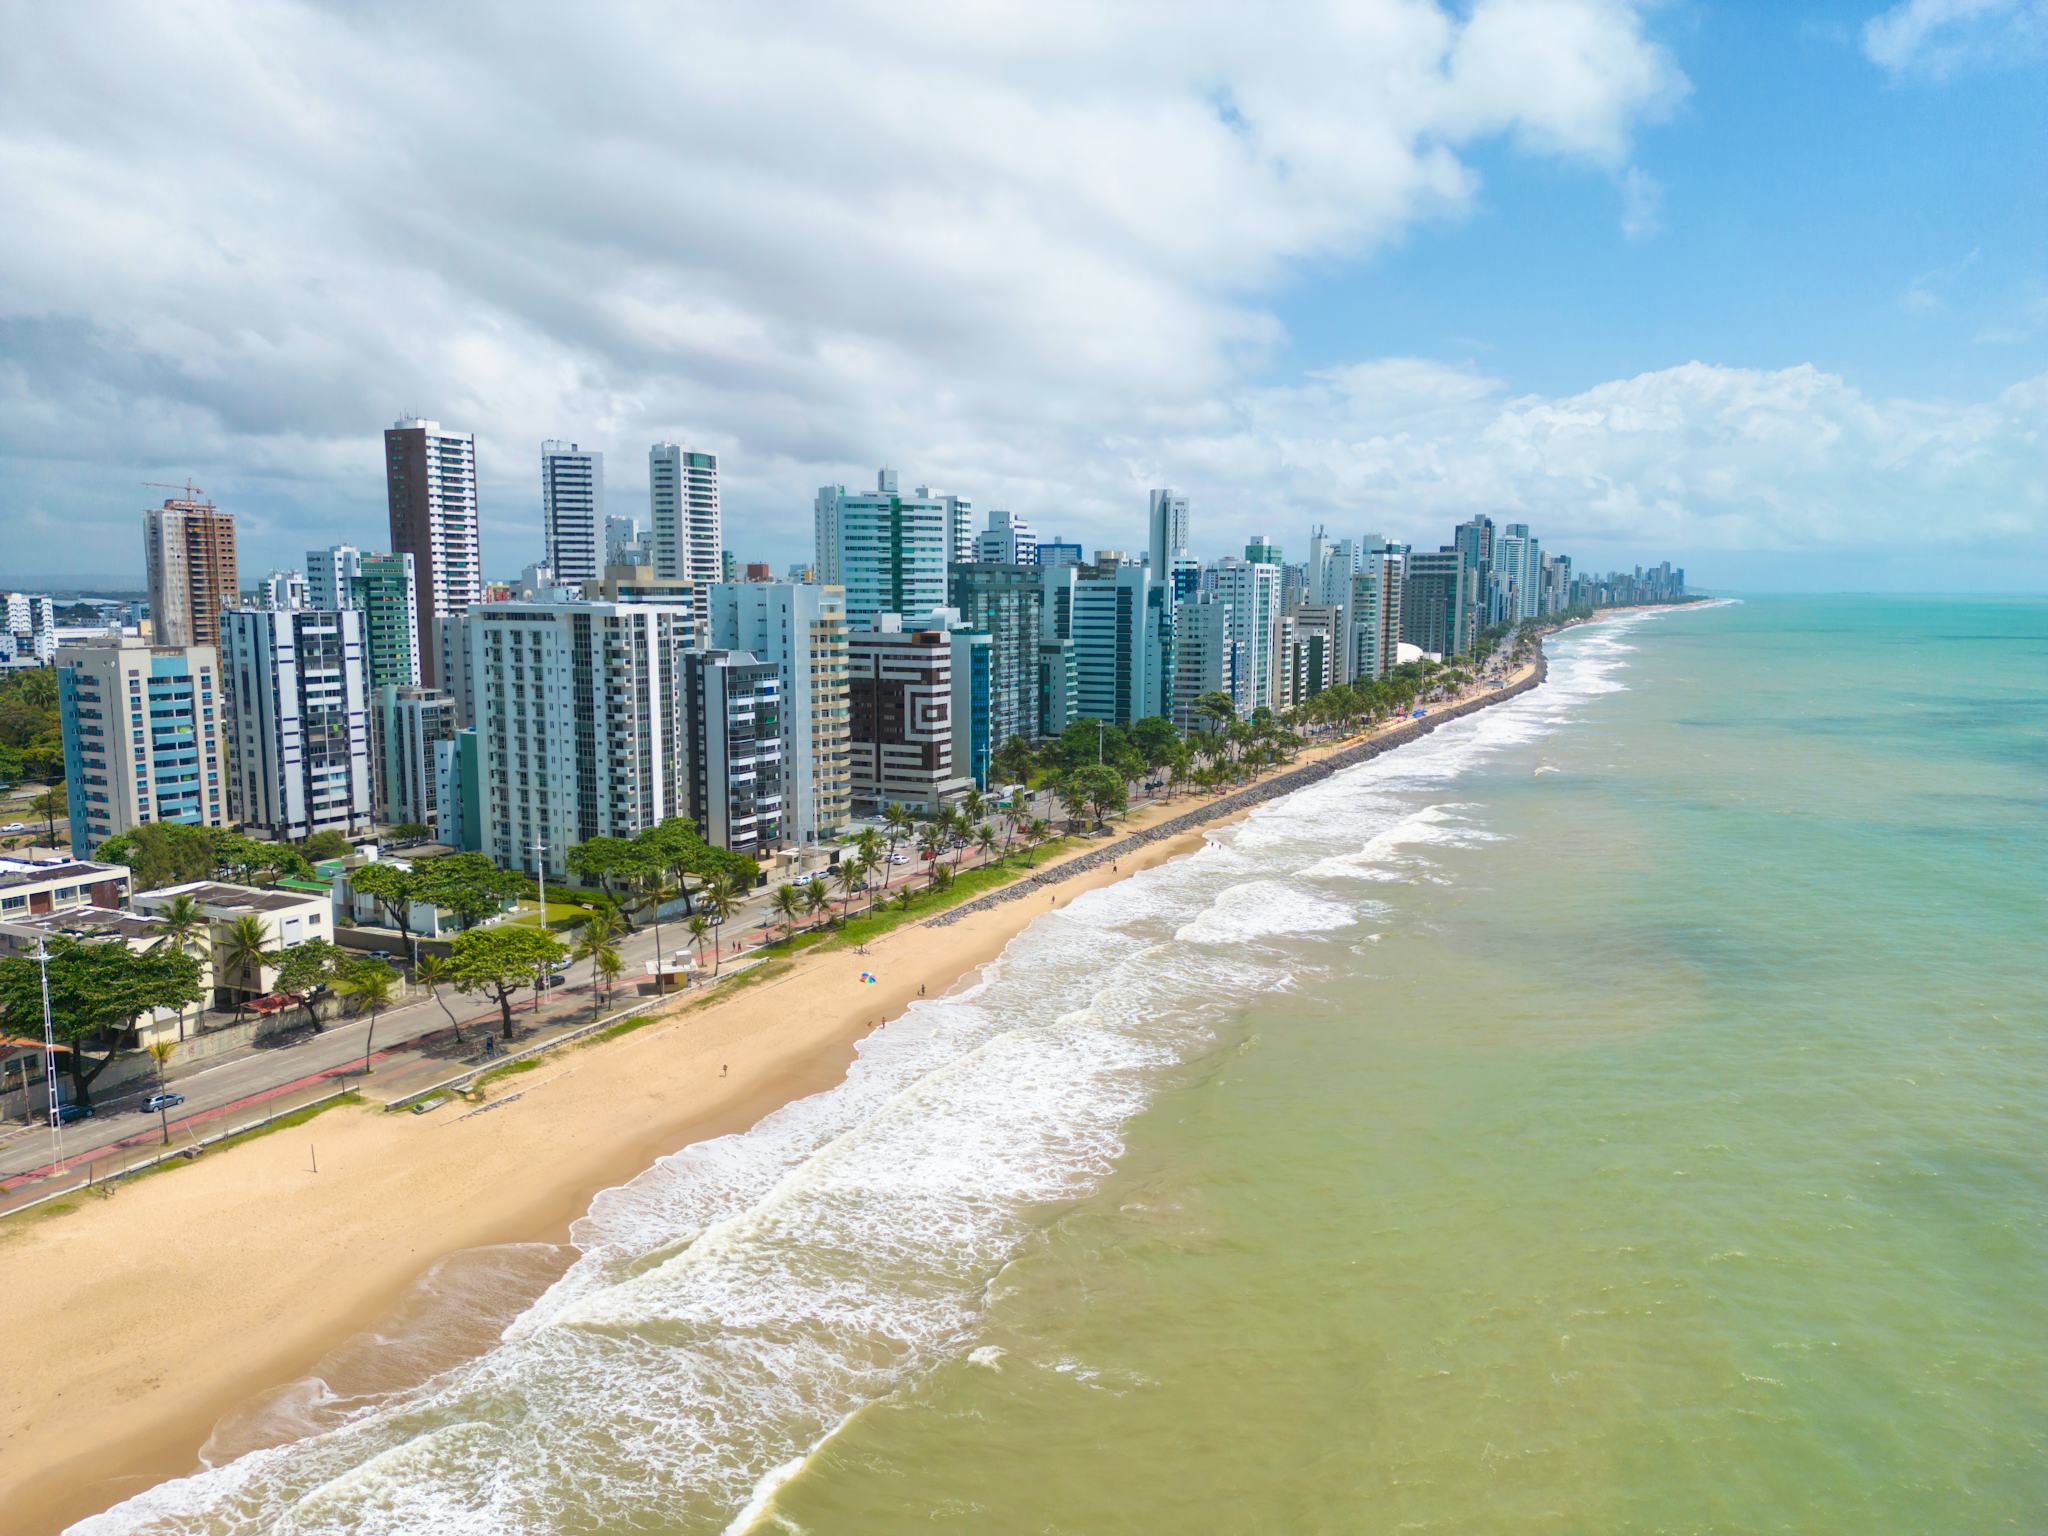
<point>97,990</point>
<point>498,962</point>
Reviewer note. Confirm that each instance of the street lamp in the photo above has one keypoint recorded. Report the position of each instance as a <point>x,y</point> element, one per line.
<point>541,869</point>
<point>49,1049</point>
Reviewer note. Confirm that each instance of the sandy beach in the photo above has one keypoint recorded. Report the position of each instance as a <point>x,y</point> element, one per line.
<point>155,1311</point>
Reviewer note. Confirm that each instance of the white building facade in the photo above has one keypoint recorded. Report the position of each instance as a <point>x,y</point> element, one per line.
<point>682,501</point>
<point>297,721</point>
<point>572,511</point>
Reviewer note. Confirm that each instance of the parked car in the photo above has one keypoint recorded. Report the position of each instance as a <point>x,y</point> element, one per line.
<point>15,826</point>
<point>559,979</point>
<point>157,1103</point>
<point>66,1113</point>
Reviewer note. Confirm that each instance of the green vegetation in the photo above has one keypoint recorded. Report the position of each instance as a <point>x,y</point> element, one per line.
<point>500,962</point>
<point>161,853</point>
<point>97,992</point>
<point>31,746</point>
<point>467,885</point>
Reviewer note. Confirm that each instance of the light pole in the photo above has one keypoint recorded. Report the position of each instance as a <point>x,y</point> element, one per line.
<point>1098,743</point>
<point>49,1050</point>
<point>540,868</point>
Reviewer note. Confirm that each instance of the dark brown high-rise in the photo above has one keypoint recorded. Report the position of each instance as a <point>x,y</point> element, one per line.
<point>430,477</point>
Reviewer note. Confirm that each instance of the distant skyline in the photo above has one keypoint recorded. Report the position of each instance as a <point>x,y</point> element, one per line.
<point>1762,290</point>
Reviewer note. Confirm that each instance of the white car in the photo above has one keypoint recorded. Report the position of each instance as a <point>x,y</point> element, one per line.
<point>15,826</point>
<point>899,858</point>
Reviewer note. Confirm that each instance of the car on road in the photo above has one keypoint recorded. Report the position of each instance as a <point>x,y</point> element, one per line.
<point>66,1113</point>
<point>899,858</point>
<point>15,826</point>
<point>559,979</point>
<point>157,1103</point>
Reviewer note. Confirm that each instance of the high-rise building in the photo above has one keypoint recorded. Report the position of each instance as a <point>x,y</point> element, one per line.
<point>1262,551</point>
<point>1202,654</point>
<point>682,502</point>
<point>624,544</point>
<point>1007,602</point>
<point>29,636</point>
<point>143,737</point>
<point>572,511</point>
<point>415,736</point>
<point>900,689</point>
<point>1434,611</point>
<point>1167,516</point>
<point>1315,640</point>
<point>799,629</point>
<point>430,477</point>
<point>1368,655</point>
<point>297,721</point>
<point>328,574</point>
<point>385,591</point>
<point>889,551</point>
<point>959,512</point>
<point>1122,632</point>
<point>189,553</point>
<point>281,590</point>
<point>579,713</point>
<point>1058,552</point>
<point>1252,589</point>
<point>1007,540</point>
<point>733,720</point>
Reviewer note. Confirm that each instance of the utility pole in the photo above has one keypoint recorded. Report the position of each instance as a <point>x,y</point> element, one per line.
<point>49,1050</point>
<point>540,868</point>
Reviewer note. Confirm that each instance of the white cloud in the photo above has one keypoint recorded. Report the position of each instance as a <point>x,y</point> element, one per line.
<point>1927,293</point>
<point>1028,250</point>
<point>1940,37</point>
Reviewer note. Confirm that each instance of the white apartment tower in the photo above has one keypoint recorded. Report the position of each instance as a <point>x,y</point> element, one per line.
<point>572,511</point>
<point>328,574</point>
<point>1168,520</point>
<point>1007,540</point>
<point>579,711</point>
<point>889,551</point>
<point>799,629</point>
<point>430,479</point>
<point>1252,589</point>
<point>298,721</point>
<point>682,499</point>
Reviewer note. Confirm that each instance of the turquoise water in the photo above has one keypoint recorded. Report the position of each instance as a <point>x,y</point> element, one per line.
<point>1622,1111</point>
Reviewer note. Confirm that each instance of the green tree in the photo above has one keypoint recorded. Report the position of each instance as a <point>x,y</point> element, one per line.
<point>470,886</point>
<point>431,972</point>
<point>97,992</point>
<point>161,853</point>
<point>817,896</point>
<point>187,929</point>
<point>788,902</point>
<point>498,962</point>
<point>411,832</point>
<point>242,954</point>
<point>47,804</point>
<point>394,888</point>
<point>373,985</point>
<point>846,875</point>
<point>304,969</point>
<point>700,925</point>
<point>1014,760</point>
<point>614,865</point>
<point>596,942</point>
<point>1101,790</point>
<point>324,845</point>
<point>719,899</point>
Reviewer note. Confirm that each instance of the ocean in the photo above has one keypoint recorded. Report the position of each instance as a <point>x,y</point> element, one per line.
<point>1622,1111</point>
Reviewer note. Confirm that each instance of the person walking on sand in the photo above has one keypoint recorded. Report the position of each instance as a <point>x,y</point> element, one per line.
<point>723,1069</point>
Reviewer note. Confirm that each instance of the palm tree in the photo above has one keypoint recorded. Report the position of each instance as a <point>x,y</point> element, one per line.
<point>183,922</point>
<point>431,971</point>
<point>716,899</point>
<point>985,835</point>
<point>930,844</point>
<point>242,955</point>
<point>846,875</point>
<point>699,926</point>
<point>608,966</point>
<point>372,984</point>
<point>595,943</point>
<point>659,891</point>
<point>817,896</point>
<point>869,862</point>
<point>898,820</point>
<point>788,901</point>
<point>972,805</point>
<point>161,1051</point>
<point>47,804</point>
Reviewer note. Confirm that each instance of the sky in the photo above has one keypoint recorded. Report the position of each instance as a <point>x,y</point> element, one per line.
<point>1758,288</point>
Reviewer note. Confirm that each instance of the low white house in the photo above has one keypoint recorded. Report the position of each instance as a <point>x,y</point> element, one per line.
<point>287,917</point>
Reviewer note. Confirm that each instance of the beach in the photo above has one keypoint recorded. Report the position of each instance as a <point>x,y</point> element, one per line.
<point>163,1307</point>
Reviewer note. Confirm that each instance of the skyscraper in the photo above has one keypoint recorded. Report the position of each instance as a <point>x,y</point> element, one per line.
<point>328,573</point>
<point>1434,613</point>
<point>579,716</point>
<point>900,695</point>
<point>189,553</point>
<point>682,499</point>
<point>572,511</point>
<point>430,477</point>
<point>1120,633</point>
<point>733,727</point>
<point>1007,601</point>
<point>1007,540</point>
<point>888,550</point>
<point>385,589</point>
<point>1169,530</point>
<point>142,736</point>
<point>1252,589</point>
<point>800,630</point>
<point>282,589</point>
<point>297,721</point>
<point>959,523</point>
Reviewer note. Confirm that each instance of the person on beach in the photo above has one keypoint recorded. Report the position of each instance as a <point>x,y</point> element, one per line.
<point>723,1069</point>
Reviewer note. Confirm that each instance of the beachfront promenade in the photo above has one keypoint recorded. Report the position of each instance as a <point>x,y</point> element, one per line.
<point>416,1049</point>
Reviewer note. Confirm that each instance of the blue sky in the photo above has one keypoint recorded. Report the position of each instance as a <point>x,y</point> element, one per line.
<point>1762,289</point>
<point>1805,194</point>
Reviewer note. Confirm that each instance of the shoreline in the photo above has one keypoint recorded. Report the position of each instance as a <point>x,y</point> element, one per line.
<point>153,1328</point>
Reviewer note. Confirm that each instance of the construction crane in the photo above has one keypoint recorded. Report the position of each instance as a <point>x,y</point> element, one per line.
<point>192,492</point>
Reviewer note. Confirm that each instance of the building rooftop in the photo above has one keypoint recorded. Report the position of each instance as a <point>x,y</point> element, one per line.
<point>18,872</point>
<point>246,898</point>
<point>80,923</point>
